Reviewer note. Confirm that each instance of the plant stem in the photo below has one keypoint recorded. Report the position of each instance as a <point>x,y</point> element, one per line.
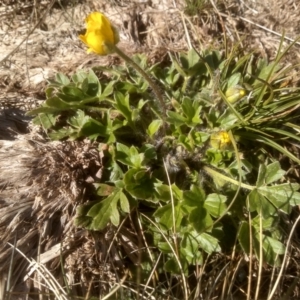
<point>217,174</point>
<point>145,75</point>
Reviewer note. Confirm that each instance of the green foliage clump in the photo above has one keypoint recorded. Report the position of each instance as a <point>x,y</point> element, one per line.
<point>204,165</point>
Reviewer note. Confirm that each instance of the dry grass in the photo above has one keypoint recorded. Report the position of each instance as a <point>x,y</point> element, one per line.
<point>42,182</point>
<point>39,39</point>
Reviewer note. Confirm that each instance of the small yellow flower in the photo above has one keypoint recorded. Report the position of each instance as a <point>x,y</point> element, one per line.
<point>220,140</point>
<point>235,93</point>
<point>100,35</point>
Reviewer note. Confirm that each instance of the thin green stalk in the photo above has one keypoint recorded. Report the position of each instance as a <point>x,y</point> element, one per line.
<point>260,257</point>
<point>214,173</point>
<point>145,75</point>
<point>250,258</point>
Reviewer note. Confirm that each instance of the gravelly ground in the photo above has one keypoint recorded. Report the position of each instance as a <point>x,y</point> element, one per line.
<point>39,40</point>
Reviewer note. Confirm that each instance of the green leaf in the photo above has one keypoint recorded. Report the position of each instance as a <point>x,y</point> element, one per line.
<point>227,119</point>
<point>133,151</point>
<point>194,197</point>
<point>73,91</point>
<point>79,119</point>
<point>199,138</point>
<point>139,184</point>
<point>64,133</point>
<point>208,243</point>
<point>127,155</point>
<point>164,247</point>
<point>82,220</point>
<point>116,173</point>
<point>234,79</point>
<point>261,175</point>
<point>162,192</point>
<point>62,79</point>
<point>141,104</point>
<point>273,172</point>
<point>153,127</point>
<point>266,70</point>
<point>177,192</point>
<point>191,110</point>
<point>85,84</point>
<point>137,160</point>
<point>188,108</point>
<point>135,157</point>
<point>193,58</point>
<point>94,86</point>
<point>108,90</point>
<point>46,120</point>
<point>276,246</point>
<point>257,202</point>
<point>175,118</point>
<point>57,103</point>
<point>105,189</point>
<point>185,65</point>
<point>123,149</point>
<point>281,195</point>
<point>215,204</point>
<point>164,215</point>
<point>269,224</point>
<point>79,76</point>
<point>272,248</point>
<point>189,248</point>
<point>149,152</point>
<point>49,91</point>
<point>124,204</point>
<point>171,266</point>
<point>115,216</point>
<point>126,87</point>
<point>268,174</point>
<point>122,104</point>
<point>104,212</point>
<point>93,128</point>
<point>200,219</point>
<point>244,236</point>
<point>196,120</point>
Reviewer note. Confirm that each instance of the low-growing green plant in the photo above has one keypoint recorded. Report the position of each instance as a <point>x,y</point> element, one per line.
<point>205,165</point>
<point>192,7</point>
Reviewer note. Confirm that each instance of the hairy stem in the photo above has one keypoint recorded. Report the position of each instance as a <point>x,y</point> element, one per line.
<point>145,75</point>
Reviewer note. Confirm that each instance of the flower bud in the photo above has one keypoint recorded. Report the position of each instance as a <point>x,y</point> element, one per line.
<point>235,93</point>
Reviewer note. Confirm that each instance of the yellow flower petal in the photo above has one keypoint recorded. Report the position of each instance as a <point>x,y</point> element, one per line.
<point>220,140</point>
<point>100,35</point>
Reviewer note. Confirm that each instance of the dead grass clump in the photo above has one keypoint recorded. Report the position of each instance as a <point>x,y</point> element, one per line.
<point>42,184</point>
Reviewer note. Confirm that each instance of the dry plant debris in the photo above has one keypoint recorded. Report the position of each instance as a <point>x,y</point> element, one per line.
<point>32,169</point>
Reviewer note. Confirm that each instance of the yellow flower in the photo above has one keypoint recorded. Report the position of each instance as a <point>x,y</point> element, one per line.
<point>100,35</point>
<point>220,140</point>
<point>235,93</point>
